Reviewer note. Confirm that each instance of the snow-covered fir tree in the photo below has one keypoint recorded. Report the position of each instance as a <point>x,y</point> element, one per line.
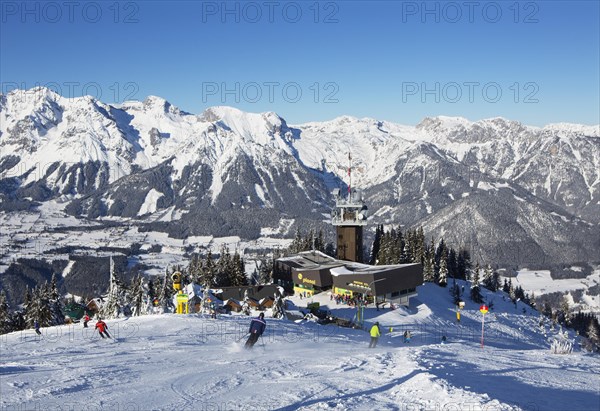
<point>278,305</point>
<point>463,265</point>
<point>428,267</point>
<point>475,290</point>
<point>593,336</point>
<point>487,278</point>
<point>38,308</point>
<point>246,303</point>
<point>238,273</point>
<point>443,275</point>
<point>208,271</point>
<point>265,272</point>
<point>115,298</point>
<point>56,305</point>
<point>165,296</point>
<point>139,303</point>
<point>5,318</point>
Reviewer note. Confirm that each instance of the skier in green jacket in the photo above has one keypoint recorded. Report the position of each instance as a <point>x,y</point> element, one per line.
<point>375,333</point>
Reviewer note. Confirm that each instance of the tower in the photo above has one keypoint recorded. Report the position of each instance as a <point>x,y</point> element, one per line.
<point>349,216</point>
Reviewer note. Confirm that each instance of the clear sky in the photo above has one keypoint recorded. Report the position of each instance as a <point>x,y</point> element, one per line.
<point>532,61</point>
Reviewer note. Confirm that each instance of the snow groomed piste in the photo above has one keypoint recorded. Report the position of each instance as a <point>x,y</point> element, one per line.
<point>169,361</point>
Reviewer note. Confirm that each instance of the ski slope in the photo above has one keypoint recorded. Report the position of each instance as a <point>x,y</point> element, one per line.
<point>166,362</point>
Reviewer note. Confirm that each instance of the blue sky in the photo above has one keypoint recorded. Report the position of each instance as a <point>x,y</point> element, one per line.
<point>533,61</point>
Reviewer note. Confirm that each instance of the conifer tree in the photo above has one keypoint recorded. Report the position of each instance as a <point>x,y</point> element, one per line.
<point>440,252</point>
<point>114,300</point>
<point>443,275</point>
<point>455,292</point>
<point>405,257</point>
<point>593,334</point>
<point>428,270</point>
<point>320,241</point>
<point>296,245</point>
<point>208,271</point>
<point>488,278</point>
<point>254,277</point>
<point>5,318</point>
<point>451,262</point>
<point>419,253</point>
<point>265,272</point>
<point>139,304</point>
<point>511,292</point>
<point>376,245</point>
<point>278,306</point>
<point>563,310</point>
<point>56,305</point>
<point>506,287</point>
<point>238,273</point>
<point>39,307</point>
<point>475,290</point>
<point>165,295</point>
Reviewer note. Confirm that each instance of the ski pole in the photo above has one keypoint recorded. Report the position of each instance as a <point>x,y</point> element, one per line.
<point>242,337</point>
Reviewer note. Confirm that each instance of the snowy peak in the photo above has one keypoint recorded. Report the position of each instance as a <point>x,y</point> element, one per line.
<point>143,157</point>
<point>247,125</point>
<point>570,129</point>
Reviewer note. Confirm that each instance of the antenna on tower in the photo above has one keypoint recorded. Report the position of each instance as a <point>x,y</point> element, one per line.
<point>349,175</point>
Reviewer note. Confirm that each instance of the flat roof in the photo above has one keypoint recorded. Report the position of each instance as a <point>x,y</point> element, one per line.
<point>357,268</point>
<point>311,259</point>
<point>316,260</point>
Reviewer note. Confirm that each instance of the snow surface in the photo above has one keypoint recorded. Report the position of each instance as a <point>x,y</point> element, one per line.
<point>165,362</point>
<point>541,282</point>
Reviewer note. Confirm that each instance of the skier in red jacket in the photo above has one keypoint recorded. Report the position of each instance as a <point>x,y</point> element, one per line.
<point>102,328</point>
<point>86,319</point>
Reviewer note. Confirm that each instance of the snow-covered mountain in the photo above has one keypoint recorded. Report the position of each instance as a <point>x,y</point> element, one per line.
<point>226,172</point>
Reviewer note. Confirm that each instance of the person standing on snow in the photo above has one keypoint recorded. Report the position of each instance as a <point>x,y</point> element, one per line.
<point>257,328</point>
<point>375,334</point>
<point>102,328</point>
<point>86,319</point>
<point>36,326</point>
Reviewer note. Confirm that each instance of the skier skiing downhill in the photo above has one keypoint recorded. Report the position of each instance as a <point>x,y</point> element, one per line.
<point>257,328</point>
<point>102,328</point>
<point>86,319</point>
<point>36,326</point>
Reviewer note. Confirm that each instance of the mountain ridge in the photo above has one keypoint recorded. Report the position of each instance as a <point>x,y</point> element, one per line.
<point>224,167</point>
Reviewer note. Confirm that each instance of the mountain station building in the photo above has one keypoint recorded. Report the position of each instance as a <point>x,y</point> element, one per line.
<point>311,272</point>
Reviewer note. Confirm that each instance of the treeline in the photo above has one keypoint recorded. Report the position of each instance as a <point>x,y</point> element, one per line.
<point>139,296</point>
<point>226,271</point>
<point>439,261</point>
<point>311,241</point>
<point>42,304</point>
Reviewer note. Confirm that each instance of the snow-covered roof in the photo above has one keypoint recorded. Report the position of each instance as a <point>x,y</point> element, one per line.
<point>357,268</point>
<point>311,260</point>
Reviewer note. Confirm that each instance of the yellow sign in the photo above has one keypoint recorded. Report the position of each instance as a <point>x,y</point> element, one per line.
<point>182,303</point>
<point>309,281</point>
<point>299,276</point>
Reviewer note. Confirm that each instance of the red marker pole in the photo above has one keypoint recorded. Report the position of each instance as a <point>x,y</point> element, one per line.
<point>484,310</point>
<point>482,322</point>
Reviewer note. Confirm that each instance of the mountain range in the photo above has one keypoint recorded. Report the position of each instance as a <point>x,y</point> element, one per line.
<point>515,195</point>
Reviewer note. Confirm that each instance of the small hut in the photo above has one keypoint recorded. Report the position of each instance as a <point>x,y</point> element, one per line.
<point>233,305</point>
<point>267,302</point>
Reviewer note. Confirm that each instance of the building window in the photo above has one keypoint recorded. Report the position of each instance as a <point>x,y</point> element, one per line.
<point>395,294</point>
